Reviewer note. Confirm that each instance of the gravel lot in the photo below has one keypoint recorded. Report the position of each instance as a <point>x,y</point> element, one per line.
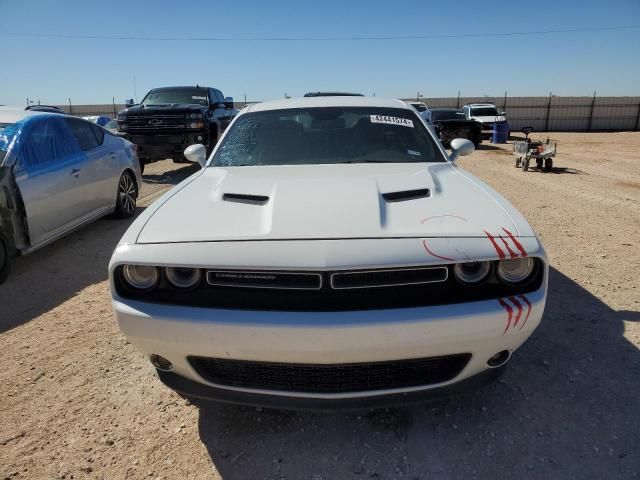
<point>79,402</point>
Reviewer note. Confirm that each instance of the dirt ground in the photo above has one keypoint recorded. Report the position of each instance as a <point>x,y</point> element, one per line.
<point>77,401</point>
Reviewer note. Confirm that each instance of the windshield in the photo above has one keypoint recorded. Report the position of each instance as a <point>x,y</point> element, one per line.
<point>484,112</point>
<point>447,115</point>
<point>311,136</point>
<point>166,96</point>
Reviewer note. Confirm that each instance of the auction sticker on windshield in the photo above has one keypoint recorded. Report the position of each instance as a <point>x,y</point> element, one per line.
<point>405,122</point>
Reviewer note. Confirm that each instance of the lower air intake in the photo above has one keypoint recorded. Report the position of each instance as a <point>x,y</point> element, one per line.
<point>333,378</point>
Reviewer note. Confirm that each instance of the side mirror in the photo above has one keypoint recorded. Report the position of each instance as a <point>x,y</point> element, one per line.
<point>460,147</point>
<point>196,153</point>
<point>526,130</point>
<point>228,102</point>
<point>503,113</point>
<point>128,102</point>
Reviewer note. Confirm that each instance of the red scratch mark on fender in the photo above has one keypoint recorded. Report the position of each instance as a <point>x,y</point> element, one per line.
<point>520,310</point>
<point>529,307</point>
<point>515,241</point>
<point>509,310</point>
<point>424,243</point>
<point>512,254</point>
<point>501,254</point>
<point>442,216</point>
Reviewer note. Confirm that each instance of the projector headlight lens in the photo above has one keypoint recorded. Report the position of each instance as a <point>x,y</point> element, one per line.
<point>472,272</point>
<point>180,277</point>
<point>515,270</point>
<point>141,277</point>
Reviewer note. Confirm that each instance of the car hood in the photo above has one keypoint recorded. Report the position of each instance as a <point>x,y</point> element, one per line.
<point>328,202</point>
<point>490,119</point>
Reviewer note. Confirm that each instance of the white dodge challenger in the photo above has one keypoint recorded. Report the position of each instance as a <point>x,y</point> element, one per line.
<point>329,254</point>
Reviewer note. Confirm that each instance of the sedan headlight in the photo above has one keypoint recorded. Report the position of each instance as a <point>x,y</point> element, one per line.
<point>141,277</point>
<point>472,272</point>
<point>195,125</point>
<point>516,270</point>
<point>181,277</point>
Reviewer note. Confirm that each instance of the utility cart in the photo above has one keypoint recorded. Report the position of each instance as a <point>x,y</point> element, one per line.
<point>542,152</point>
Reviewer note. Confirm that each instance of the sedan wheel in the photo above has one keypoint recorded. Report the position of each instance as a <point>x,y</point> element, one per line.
<point>127,196</point>
<point>6,256</point>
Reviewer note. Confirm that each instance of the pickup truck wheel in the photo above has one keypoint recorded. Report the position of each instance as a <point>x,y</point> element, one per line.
<point>126,197</point>
<point>7,254</point>
<point>142,164</point>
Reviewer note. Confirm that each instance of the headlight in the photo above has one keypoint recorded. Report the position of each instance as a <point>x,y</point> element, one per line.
<point>122,127</point>
<point>195,125</point>
<point>121,117</point>
<point>472,272</point>
<point>516,270</point>
<point>195,116</point>
<point>141,277</point>
<point>181,277</point>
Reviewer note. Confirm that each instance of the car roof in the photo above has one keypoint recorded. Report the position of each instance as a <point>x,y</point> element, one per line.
<point>181,87</point>
<point>446,110</point>
<point>481,105</point>
<point>332,94</point>
<point>309,102</point>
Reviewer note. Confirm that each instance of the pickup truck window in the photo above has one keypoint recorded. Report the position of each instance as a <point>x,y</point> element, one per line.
<point>168,96</point>
<point>308,136</point>
<point>484,112</point>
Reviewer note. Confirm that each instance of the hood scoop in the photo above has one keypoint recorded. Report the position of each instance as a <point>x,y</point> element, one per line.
<point>245,198</point>
<point>405,195</point>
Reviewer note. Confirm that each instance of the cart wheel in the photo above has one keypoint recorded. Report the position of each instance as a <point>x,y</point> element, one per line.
<point>525,164</point>
<point>518,161</point>
<point>548,165</point>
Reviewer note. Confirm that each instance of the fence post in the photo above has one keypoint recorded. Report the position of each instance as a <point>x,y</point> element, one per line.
<point>113,99</point>
<point>546,124</point>
<point>638,119</point>
<point>504,106</point>
<point>458,104</point>
<point>593,103</point>
<point>70,107</point>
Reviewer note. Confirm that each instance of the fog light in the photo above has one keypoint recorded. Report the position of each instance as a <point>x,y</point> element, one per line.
<point>199,137</point>
<point>499,359</point>
<point>161,363</point>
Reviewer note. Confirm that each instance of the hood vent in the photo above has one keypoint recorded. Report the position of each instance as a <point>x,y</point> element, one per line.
<point>243,198</point>
<point>405,195</point>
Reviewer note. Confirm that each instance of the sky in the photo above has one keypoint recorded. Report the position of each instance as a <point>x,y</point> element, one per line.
<point>54,69</point>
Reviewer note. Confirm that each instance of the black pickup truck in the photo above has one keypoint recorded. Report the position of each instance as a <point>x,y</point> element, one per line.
<point>169,119</point>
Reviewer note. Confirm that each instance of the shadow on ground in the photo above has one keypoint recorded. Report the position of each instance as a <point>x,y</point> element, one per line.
<point>566,408</point>
<point>50,276</point>
<point>169,178</point>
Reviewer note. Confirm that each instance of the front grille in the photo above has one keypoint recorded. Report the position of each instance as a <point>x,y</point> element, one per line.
<point>332,378</point>
<point>156,122</point>
<point>351,290</point>
<point>388,278</point>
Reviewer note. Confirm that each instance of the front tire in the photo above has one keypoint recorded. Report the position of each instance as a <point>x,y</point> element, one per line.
<point>7,254</point>
<point>127,196</point>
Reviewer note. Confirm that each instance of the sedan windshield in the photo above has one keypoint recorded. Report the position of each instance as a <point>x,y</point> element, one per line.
<point>484,112</point>
<point>310,136</point>
<point>7,132</point>
<point>167,96</point>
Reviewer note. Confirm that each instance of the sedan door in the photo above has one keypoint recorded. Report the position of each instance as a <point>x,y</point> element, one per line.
<point>100,173</point>
<point>47,174</point>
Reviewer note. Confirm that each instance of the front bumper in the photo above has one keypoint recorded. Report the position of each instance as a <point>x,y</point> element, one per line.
<point>155,146</point>
<point>480,328</point>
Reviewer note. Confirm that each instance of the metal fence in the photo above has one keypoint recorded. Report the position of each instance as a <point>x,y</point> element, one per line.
<point>555,113</point>
<point>552,113</point>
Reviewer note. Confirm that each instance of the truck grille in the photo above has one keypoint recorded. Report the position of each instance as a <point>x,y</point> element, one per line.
<point>332,378</point>
<point>155,122</point>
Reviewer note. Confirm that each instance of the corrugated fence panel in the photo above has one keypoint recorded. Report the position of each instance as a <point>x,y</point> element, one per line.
<point>542,113</point>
